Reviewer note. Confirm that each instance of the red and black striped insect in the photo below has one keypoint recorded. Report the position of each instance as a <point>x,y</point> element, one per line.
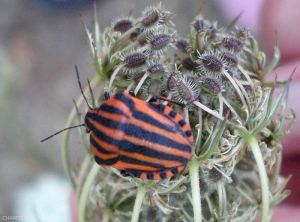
<point>142,139</point>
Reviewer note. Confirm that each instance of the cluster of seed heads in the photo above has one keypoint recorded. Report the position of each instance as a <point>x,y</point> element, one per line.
<point>218,75</point>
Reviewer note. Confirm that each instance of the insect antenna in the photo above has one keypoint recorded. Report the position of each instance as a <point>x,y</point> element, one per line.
<point>91,92</point>
<point>155,98</point>
<point>79,83</point>
<point>71,127</point>
<point>81,90</point>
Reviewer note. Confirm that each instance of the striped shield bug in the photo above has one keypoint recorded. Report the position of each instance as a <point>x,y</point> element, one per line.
<point>142,139</point>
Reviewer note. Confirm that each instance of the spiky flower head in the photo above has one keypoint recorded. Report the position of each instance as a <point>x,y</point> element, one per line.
<point>218,75</point>
<point>122,25</point>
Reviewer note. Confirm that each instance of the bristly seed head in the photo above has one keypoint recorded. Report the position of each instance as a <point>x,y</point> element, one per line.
<point>232,71</point>
<point>135,60</point>
<point>232,44</point>
<point>160,42</point>
<point>183,88</point>
<point>211,85</point>
<point>188,63</point>
<point>186,91</point>
<point>172,80</point>
<point>153,18</point>
<point>199,25</point>
<point>156,68</point>
<point>134,35</point>
<point>230,58</point>
<point>122,25</point>
<point>152,87</point>
<point>203,186</point>
<point>214,175</point>
<point>137,77</point>
<point>183,45</point>
<point>212,63</point>
<point>242,33</point>
<point>204,26</point>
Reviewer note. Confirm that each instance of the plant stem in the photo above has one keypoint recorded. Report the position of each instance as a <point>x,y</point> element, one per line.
<point>82,172</point>
<point>141,191</point>
<point>106,216</point>
<point>194,176</point>
<point>85,191</point>
<point>65,136</point>
<point>263,178</point>
<point>277,168</point>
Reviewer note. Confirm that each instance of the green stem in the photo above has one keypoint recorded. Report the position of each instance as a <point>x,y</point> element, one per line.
<point>199,134</point>
<point>81,175</point>
<point>277,168</point>
<point>64,146</point>
<point>194,176</point>
<point>85,191</point>
<point>65,137</point>
<point>106,216</point>
<point>141,191</point>
<point>263,178</point>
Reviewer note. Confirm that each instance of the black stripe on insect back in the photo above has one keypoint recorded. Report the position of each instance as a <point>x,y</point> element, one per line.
<point>172,113</point>
<point>111,109</point>
<point>105,122</point>
<point>149,176</point>
<point>136,131</point>
<point>140,115</point>
<point>182,123</point>
<point>133,148</point>
<point>129,147</point>
<point>127,101</point>
<point>188,133</point>
<point>149,119</point>
<point>174,170</point>
<point>106,138</point>
<point>160,108</point>
<point>157,107</point>
<point>162,175</point>
<point>105,161</point>
<point>98,147</point>
<point>137,173</point>
<point>131,160</point>
<point>101,135</point>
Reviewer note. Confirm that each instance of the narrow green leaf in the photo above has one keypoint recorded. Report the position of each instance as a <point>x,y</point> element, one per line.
<point>274,61</point>
<point>215,139</point>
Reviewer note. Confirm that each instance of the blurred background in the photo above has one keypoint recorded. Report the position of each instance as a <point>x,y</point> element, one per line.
<point>40,41</point>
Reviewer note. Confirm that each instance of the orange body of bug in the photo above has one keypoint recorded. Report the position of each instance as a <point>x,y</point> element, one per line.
<point>147,140</point>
